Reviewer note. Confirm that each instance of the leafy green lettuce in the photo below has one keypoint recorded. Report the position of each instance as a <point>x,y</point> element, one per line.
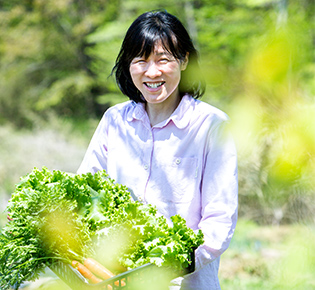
<point>54,215</point>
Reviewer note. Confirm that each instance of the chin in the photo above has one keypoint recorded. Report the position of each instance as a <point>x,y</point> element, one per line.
<point>157,100</point>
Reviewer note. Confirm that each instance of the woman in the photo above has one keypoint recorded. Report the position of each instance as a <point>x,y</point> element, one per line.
<point>170,149</point>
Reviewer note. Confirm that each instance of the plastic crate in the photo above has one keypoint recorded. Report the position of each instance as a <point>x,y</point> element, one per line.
<point>145,277</point>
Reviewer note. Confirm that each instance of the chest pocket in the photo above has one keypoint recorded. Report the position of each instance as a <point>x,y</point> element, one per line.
<point>179,179</point>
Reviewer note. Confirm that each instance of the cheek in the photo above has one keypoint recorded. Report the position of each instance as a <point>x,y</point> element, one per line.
<point>174,71</point>
<point>134,73</point>
<point>175,76</point>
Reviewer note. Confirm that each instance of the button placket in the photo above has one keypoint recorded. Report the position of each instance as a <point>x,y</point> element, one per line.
<point>147,159</point>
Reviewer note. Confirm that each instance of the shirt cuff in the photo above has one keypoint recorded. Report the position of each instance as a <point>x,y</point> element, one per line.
<point>204,256</point>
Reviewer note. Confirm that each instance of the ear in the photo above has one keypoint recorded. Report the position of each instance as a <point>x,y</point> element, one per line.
<point>185,62</point>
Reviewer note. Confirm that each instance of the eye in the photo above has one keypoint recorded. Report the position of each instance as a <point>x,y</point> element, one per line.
<point>164,60</point>
<point>138,61</point>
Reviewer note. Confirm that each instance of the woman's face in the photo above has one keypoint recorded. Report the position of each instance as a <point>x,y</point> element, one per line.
<point>158,76</point>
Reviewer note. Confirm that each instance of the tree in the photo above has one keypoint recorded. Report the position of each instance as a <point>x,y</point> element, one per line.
<point>43,61</point>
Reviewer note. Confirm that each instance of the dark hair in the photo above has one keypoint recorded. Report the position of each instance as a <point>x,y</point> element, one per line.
<point>140,39</point>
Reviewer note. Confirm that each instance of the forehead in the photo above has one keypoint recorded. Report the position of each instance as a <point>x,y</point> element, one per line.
<point>150,42</point>
<point>158,48</point>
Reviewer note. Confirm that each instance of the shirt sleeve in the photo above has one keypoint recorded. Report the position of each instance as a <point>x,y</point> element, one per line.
<point>219,195</point>
<point>95,158</point>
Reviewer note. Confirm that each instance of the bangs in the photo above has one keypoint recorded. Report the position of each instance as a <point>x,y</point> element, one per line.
<point>148,39</point>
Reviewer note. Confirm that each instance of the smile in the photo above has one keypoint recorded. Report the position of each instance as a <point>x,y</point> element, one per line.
<point>154,85</point>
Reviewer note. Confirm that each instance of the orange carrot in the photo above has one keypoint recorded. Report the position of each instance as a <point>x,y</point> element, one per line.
<point>86,272</point>
<point>99,270</point>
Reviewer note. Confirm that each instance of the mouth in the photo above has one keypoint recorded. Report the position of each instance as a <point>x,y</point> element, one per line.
<point>154,85</point>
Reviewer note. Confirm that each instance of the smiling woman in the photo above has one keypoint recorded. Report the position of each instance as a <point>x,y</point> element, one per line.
<point>163,35</point>
<point>172,150</point>
<point>157,78</point>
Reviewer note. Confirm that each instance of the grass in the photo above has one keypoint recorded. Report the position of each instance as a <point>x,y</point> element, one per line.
<point>269,257</point>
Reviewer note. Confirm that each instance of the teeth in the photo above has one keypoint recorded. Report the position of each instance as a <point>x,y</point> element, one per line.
<point>154,85</point>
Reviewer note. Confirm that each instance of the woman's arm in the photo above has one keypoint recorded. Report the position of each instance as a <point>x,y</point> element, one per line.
<point>219,196</point>
<point>95,158</point>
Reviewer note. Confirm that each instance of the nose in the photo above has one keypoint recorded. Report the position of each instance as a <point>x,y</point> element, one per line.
<point>152,70</point>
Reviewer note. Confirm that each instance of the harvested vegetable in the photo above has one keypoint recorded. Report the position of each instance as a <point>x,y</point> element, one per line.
<point>86,273</point>
<point>98,269</point>
<point>54,215</point>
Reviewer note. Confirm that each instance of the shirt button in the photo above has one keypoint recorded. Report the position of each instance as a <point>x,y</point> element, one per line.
<point>177,161</point>
<point>146,167</point>
<point>140,199</point>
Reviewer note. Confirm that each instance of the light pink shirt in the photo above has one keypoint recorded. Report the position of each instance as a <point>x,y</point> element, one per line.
<point>184,165</point>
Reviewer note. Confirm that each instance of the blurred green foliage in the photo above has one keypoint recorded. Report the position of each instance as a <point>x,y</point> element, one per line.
<point>269,257</point>
<point>258,61</point>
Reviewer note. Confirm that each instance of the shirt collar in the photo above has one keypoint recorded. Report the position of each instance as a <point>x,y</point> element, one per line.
<point>180,117</point>
<point>137,112</point>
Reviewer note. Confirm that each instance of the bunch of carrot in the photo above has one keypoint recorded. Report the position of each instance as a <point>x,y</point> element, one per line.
<point>93,271</point>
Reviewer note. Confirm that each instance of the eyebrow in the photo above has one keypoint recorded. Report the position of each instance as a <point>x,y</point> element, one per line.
<point>159,54</point>
<point>163,53</point>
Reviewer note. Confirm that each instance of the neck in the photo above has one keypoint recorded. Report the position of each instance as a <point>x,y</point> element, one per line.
<point>161,111</point>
